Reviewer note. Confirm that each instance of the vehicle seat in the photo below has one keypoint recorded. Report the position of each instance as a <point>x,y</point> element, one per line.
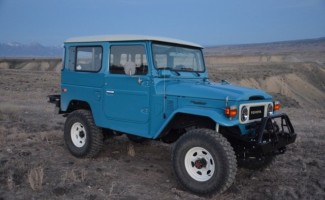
<point>129,68</point>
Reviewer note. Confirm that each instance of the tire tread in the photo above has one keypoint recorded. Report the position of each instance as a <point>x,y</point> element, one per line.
<point>226,147</point>
<point>94,133</point>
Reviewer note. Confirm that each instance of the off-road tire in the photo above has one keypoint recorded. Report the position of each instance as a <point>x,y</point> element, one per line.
<point>82,137</point>
<point>218,153</point>
<point>136,139</point>
<point>256,163</point>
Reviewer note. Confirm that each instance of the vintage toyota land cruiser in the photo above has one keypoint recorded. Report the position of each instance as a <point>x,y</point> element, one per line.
<point>158,88</point>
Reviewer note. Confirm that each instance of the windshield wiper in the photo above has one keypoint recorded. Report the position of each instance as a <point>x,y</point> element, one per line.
<point>170,69</point>
<point>178,74</point>
<point>197,73</point>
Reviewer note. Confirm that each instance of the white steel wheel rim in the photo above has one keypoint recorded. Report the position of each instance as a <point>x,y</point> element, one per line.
<point>78,134</point>
<point>199,164</point>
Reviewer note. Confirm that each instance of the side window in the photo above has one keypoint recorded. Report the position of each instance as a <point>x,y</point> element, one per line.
<point>72,58</point>
<point>128,59</point>
<point>88,59</point>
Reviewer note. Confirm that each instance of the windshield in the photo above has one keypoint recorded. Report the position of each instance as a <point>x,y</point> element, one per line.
<point>177,58</point>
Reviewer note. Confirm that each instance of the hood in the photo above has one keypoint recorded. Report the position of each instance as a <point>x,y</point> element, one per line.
<point>210,90</point>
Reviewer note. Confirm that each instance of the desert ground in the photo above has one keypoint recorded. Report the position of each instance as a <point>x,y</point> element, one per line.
<point>35,164</point>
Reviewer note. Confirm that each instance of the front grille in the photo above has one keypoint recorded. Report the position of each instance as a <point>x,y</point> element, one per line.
<point>256,112</point>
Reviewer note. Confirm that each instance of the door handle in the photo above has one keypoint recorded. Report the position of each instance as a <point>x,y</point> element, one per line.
<point>140,81</point>
<point>110,92</point>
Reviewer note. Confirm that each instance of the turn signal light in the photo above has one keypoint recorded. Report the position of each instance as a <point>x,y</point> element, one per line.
<point>231,111</point>
<point>276,105</point>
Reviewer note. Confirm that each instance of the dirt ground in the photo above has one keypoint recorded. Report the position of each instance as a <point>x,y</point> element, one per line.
<point>35,164</point>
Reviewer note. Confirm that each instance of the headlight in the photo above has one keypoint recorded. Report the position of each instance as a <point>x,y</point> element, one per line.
<point>270,109</point>
<point>244,114</point>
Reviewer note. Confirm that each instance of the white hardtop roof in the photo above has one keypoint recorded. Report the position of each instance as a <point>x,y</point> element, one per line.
<point>116,38</point>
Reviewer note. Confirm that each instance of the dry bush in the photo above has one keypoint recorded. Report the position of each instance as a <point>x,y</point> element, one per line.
<point>2,136</point>
<point>9,112</point>
<point>15,172</point>
<point>131,151</point>
<point>15,135</point>
<point>111,189</point>
<point>10,182</point>
<point>35,178</point>
<point>74,176</point>
<point>49,137</point>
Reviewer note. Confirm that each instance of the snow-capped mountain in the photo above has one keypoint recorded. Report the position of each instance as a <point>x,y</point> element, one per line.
<point>15,49</point>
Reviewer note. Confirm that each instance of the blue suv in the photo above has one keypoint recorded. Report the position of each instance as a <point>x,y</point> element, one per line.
<point>158,88</point>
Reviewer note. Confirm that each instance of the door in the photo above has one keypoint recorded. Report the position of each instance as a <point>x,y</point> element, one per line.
<point>83,76</point>
<point>127,84</point>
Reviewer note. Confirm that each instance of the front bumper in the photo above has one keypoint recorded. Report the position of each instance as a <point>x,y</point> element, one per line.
<point>273,138</point>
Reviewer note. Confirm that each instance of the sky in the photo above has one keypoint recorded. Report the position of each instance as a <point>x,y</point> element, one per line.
<point>206,22</point>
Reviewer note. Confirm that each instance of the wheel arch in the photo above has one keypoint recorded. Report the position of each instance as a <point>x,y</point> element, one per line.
<point>76,105</point>
<point>198,117</point>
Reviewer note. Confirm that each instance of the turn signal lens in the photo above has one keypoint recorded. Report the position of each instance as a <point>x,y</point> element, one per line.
<point>231,111</point>
<point>276,105</point>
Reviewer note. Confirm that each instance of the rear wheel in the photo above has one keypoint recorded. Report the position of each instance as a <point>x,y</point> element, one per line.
<point>81,136</point>
<point>204,162</point>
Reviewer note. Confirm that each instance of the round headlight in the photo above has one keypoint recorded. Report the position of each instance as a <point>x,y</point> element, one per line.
<point>270,108</point>
<point>244,114</point>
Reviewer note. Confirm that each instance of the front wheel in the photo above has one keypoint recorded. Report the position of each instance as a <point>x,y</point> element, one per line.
<point>204,161</point>
<point>81,136</point>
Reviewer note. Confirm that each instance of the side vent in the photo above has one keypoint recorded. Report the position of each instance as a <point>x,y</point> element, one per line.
<point>168,108</point>
<point>256,98</point>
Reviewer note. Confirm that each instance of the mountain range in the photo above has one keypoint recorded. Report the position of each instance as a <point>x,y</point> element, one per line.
<point>15,49</point>
<point>34,50</point>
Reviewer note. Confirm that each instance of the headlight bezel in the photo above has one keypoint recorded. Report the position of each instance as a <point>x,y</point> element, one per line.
<point>270,109</point>
<point>244,114</point>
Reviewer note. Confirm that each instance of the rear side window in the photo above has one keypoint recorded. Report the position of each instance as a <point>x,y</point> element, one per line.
<point>85,59</point>
<point>72,58</point>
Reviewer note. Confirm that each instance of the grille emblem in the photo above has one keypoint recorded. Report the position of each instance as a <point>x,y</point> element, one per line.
<point>255,112</point>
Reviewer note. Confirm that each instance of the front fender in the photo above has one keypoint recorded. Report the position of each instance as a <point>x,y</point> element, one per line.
<point>216,115</point>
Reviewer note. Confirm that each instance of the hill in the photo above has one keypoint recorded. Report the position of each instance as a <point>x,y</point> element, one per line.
<point>284,47</point>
